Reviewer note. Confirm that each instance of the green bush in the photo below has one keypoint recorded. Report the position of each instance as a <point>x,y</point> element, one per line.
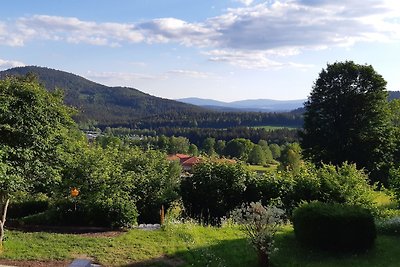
<point>343,184</point>
<point>214,190</point>
<point>394,181</point>
<point>30,207</point>
<point>110,213</point>
<point>334,226</point>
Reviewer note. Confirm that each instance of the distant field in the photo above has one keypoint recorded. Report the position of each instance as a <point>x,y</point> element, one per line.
<point>259,168</point>
<point>269,127</point>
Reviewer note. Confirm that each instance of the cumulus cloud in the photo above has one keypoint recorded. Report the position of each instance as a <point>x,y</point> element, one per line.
<point>74,30</point>
<point>250,59</point>
<point>279,28</point>
<point>245,2</point>
<point>175,30</point>
<point>7,64</point>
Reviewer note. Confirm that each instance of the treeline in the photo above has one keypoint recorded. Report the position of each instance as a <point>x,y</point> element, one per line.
<point>220,120</point>
<point>198,135</point>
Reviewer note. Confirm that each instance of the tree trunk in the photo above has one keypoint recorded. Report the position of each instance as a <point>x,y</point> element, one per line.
<point>2,222</point>
<point>263,259</point>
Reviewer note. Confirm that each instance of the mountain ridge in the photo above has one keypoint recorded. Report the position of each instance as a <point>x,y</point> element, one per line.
<point>263,105</point>
<point>101,103</point>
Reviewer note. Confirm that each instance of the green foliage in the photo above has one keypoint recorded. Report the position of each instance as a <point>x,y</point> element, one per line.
<point>260,224</point>
<point>239,148</point>
<point>334,226</point>
<point>178,145</point>
<point>27,207</point>
<point>257,156</point>
<point>34,127</point>
<point>394,181</point>
<point>395,118</point>
<point>291,158</point>
<point>344,184</point>
<point>193,150</point>
<point>208,146</point>
<point>214,189</point>
<point>347,119</point>
<point>275,150</point>
<point>123,176</point>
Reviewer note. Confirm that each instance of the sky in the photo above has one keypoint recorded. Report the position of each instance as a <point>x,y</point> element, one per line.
<point>217,49</point>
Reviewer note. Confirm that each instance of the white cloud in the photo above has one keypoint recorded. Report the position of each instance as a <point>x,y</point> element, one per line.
<point>263,31</point>
<point>76,31</point>
<point>245,2</point>
<point>7,64</point>
<point>174,30</point>
<point>250,59</point>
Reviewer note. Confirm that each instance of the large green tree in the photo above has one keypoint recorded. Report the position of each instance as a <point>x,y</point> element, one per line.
<point>34,130</point>
<point>347,119</point>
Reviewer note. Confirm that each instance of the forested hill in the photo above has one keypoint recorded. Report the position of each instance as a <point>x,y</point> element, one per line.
<point>104,104</point>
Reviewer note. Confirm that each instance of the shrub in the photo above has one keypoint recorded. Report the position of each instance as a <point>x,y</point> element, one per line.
<point>29,207</point>
<point>260,224</point>
<point>394,181</point>
<point>214,190</point>
<point>343,184</point>
<point>334,226</point>
<point>110,213</point>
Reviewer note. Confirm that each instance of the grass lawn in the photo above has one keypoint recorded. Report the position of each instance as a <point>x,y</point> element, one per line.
<point>187,245</point>
<point>259,168</point>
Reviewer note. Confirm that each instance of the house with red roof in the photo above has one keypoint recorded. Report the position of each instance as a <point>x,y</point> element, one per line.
<point>186,161</point>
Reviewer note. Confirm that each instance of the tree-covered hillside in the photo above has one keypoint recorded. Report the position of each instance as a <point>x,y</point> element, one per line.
<point>106,105</point>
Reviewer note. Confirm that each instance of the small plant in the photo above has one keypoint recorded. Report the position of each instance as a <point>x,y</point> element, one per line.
<point>260,224</point>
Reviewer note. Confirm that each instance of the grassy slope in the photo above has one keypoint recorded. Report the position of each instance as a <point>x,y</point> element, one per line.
<point>188,246</point>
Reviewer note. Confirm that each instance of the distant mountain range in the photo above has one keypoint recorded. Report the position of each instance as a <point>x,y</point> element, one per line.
<point>263,105</point>
<point>258,105</point>
<point>103,104</point>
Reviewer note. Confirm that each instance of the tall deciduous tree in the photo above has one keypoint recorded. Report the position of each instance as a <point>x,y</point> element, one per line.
<point>347,119</point>
<point>257,156</point>
<point>34,127</point>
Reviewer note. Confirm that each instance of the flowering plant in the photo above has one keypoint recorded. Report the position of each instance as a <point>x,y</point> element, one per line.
<point>260,224</point>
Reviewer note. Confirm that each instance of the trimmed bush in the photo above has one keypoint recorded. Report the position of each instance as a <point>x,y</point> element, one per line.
<point>26,208</point>
<point>110,213</point>
<point>334,226</point>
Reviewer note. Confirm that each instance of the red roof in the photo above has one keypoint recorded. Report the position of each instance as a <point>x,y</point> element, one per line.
<point>191,161</point>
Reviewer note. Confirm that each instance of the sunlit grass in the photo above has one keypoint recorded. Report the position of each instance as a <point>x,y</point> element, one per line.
<point>188,245</point>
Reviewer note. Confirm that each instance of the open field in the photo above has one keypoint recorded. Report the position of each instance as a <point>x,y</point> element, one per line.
<point>259,168</point>
<point>270,128</point>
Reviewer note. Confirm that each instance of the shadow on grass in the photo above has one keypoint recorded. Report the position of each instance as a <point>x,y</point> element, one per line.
<point>291,253</point>
<point>225,253</point>
<point>238,253</point>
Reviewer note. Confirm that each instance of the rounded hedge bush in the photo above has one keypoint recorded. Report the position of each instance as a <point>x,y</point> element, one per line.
<point>334,226</point>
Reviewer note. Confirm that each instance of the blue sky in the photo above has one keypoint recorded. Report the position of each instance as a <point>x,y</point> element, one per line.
<point>220,49</point>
